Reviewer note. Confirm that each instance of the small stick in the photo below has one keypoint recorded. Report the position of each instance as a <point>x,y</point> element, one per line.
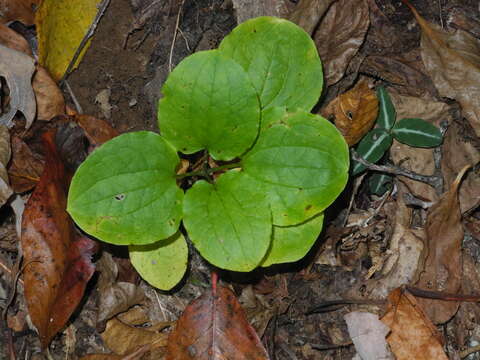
<point>466,352</point>
<point>440,295</point>
<point>88,35</point>
<point>74,98</point>
<point>170,56</point>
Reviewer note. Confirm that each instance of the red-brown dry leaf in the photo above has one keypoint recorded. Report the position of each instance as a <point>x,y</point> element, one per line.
<point>452,59</point>
<point>26,167</point>
<point>214,326</point>
<point>413,335</point>
<point>349,29</point>
<point>354,112</point>
<point>443,264</point>
<point>97,131</point>
<point>18,10</point>
<point>57,260</point>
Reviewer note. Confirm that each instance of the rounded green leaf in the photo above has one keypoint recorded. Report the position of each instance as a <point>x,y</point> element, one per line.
<point>386,110</point>
<point>209,103</point>
<point>372,147</point>
<point>126,193</point>
<point>417,132</point>
<point>292,243</point>
<point>301,162</point>
<point>229,222</point>
<point>380,183</point>
<point>161,264</point>
<point>281,60</point>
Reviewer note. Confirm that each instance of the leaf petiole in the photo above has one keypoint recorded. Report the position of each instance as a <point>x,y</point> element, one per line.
<point>206,172</point>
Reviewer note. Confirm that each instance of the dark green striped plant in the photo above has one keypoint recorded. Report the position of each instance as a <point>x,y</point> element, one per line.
<point>413,132</point>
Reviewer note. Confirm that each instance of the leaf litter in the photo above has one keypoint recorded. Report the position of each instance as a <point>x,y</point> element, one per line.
<point>364,254</point>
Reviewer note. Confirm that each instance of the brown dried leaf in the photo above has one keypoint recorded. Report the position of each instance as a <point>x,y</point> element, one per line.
<point>17,69</point>
<point>214,326</point>
<point>460,148</point>
<point>5,152</point>
<point>413,335</point>
<point>18,10</point>
<point>308,13</point>
<point>50,101</point>
<point>25,168</point>
<point>443,264</point>
<point>247,9</point>
<point>348,29</point>
<point>452,59</point>
<point>10,38</point>
<point>354,112</point>
<point>97,131</point>
<point>57,260</point>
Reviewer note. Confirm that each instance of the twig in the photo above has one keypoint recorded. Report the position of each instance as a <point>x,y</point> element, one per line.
<point>466,352</point>
<point>440,295</point>
<point>74,98</point>
<point>432,180</point>
<point>378,208</point>
<point>356,185</point>
<point>170,56</point>
<point>88,35</point>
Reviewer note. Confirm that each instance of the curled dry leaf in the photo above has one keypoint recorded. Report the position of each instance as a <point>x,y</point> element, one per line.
<point>25,168</point>
<point>5,190</point>
<point>452,59</point>
<point>18,10</point>
<point>308,13</point>
<point>57,260</point>
<point>349,29</point>
<point>413,335</point>
<point>459,149</point>
<point>17,69</point>
<point>214,326</point>
<point>354,112</point>
<point>443,264</point>
<point>10,38</point>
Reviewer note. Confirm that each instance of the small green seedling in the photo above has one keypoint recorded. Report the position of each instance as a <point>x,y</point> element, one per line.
<point>247,106</point>
<point>412,132</point>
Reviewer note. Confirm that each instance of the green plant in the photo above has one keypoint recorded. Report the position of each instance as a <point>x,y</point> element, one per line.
<point>246,106</point>
<point>374,145</point>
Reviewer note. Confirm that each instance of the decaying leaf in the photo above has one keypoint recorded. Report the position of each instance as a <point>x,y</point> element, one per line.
<point>18,10</point>
<point>443,264</point>
<point>413,335</point>
<point>308,13</point>
<point>61,27</point>
<point>418,160</point>
<point>58,264</point>
<point>214,326</point>
<point>26,166</point>
<point>5,190</point>
<point>349,28</point>
<point>354,112</point>
<point>14,40</point>
<point>97,131</point>
<point>460,148</point>
<point>452,59</point>
<point>50,101</point>
<point>17,69</point>
<point>248,9</point>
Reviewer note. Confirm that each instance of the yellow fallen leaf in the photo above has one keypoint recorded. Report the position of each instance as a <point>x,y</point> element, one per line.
<point>61,26</point>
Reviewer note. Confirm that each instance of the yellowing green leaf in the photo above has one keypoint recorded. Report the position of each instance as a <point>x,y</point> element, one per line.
<point>61,26</point>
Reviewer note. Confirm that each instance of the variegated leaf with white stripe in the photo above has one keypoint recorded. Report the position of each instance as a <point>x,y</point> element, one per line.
<point>417,132</point>
<point>386,110</point>
<point>372,147</point>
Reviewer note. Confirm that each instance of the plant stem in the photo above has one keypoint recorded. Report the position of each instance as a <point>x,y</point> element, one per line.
<point>207,172</point>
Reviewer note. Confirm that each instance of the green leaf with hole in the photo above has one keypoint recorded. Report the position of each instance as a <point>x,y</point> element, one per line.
<point>209,103</point>
<point>281,60</point>
<point>229,222</point>
<point>417,132</point>
<point>161,264</point>
<point>126,193</point>
<point>372,147</point>
<point>380,183</point>
<point>292,243</point>
<point>386,110</point>
<point>301,162</point>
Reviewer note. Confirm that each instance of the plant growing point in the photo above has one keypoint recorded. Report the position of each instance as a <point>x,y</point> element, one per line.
<point>245,105</point>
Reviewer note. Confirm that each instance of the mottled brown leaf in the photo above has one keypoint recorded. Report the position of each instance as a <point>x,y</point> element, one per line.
<point>25,168</point>
<point>443,264</point>
<point>354,112</point>
<point>57,260</point>
<point>308,13</point>
<point>452,59</point>
<point>214,327</point>
<point>248,9</point>
<point>50,101</point>
<point>413,335</point>
<point>5,152</point>
<point>340,35</point>
<point>18,10</point>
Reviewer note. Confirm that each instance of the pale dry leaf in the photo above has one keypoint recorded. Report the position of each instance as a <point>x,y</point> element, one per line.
<point>248,9</point>
<point>368,335</point>
<point>452,59</point>
<point>418,160</point>
<point>413,335</point>
<point>443,264</point>
<point>348,29</point>
<point>17,69</point>
<point>308,13</point>
<point>5,153</point>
